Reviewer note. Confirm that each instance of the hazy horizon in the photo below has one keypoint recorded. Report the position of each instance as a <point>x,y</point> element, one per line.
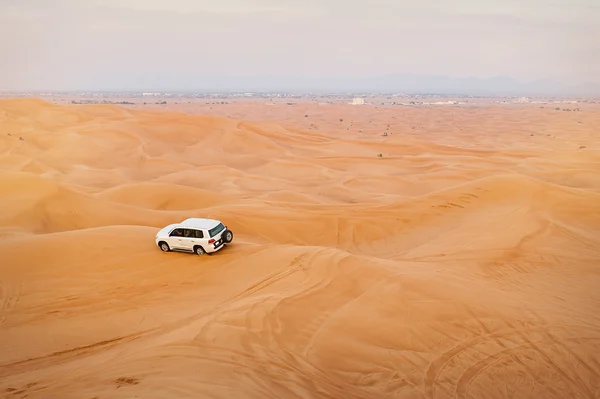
<point>284,45</point>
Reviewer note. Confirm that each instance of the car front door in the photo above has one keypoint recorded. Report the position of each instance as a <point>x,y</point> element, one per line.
<point>176,239</point>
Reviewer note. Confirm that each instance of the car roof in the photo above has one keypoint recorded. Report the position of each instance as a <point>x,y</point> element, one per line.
<point>199,223</point>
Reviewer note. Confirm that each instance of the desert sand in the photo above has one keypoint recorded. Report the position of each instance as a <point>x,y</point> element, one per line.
<point>457,256</point>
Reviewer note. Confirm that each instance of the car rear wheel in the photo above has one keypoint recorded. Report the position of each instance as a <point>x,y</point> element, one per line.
<point>199,250</point>
<point>227,236</point>
<point>164,246</point>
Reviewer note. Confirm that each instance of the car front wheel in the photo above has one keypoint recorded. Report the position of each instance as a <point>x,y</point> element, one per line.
<point>164,247</point>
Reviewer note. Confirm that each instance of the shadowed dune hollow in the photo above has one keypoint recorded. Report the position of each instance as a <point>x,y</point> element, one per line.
<point>438,270</point>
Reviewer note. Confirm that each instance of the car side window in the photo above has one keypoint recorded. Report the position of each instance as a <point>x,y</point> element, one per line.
<point>176,233</point>
<point>199,234</point>
<point>188,233</point>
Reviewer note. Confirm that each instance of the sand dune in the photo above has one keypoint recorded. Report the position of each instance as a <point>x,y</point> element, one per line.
<point>162,196</point>
<point>460,260</point>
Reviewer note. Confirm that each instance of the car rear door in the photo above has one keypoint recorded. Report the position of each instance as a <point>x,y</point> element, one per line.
<point>202,238</point>
<point>189,240</point>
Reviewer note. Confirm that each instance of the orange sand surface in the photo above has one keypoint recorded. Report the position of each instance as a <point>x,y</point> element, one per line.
<point>463,262</point>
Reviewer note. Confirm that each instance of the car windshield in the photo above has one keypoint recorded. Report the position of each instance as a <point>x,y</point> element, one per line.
<point>216,230</point>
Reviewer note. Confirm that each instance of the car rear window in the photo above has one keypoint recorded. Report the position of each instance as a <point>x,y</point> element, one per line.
<point>216,230</point>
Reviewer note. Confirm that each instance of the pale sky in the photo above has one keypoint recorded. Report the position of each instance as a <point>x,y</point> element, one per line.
<point>163,44</point>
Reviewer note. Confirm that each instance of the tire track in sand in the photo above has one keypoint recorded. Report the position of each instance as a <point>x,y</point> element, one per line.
<point>271,279</point>
<point>62,358</point>
<point>464,382</point>
<point>59,357</point>
<point>473,361</point>
<point>266,356</point>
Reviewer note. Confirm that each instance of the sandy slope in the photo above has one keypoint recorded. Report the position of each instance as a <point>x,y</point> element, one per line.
<point>442,269</point>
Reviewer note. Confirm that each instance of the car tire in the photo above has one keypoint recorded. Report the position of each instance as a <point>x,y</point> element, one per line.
<point>227,236</point>
<point>164,246</point>
<point>198,250</point>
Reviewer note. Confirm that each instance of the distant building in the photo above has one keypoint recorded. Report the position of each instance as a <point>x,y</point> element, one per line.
<point>358,101</point>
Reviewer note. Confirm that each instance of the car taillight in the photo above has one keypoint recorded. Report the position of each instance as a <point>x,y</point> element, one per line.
<point>211,240</point>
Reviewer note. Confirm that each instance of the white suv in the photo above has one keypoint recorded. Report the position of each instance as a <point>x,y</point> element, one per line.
<point>195,235</point>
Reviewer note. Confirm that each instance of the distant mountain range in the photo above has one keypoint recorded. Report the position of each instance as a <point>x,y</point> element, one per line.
<point>401,83</point>
<point>396,84</point>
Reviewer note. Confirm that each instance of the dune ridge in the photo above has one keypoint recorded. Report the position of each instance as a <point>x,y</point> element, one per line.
<point>436,270</point>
